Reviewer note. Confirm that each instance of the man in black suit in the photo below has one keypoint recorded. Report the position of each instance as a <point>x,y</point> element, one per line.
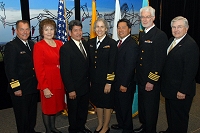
<point>124,85</point>
<point>74,67</point>
<point>21,77</point>
<point>178,77</point>
<point>153,45</point>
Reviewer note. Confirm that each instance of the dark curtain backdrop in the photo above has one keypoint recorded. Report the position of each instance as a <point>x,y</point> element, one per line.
<point>166,10</point>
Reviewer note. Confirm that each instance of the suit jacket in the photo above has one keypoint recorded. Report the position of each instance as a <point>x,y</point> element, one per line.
<point>180,68</point>
<point>152,53</point>
<point>19,67</point>
<point>47,65</point>
<point>126,63</point>
<point>74,68</point>
<point>102,60</point>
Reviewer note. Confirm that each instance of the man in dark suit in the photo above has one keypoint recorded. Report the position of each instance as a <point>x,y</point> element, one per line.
<point>124,85</point>
<point>178,77</point>
<point>21,77</point>
<point>153,45</point>
<point>74,67</point>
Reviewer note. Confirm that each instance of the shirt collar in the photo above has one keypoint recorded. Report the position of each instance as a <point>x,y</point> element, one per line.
<point>146,30</point>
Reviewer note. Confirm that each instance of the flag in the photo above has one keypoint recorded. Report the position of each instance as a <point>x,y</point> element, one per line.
<point>61,22</point>
<point>135,99</point>
<point>116,19</point>
<point>93,19</point>
<point>144,3</point>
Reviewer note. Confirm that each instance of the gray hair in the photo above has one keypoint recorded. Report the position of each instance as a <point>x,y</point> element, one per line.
<point>102,20</point>
<point>148,9</point>
<point>180,18</point>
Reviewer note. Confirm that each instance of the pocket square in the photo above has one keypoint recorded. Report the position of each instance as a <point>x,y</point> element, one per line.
<point>22,52</point>
<point>107,46</point>
<point>91,45</point>
<point>148,41</point>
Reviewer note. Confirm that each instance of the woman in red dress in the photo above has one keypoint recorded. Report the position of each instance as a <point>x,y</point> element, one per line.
<point>47,68</point>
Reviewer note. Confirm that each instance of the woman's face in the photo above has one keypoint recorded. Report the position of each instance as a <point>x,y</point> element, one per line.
<point>48,31</point>
<point>100,29</point>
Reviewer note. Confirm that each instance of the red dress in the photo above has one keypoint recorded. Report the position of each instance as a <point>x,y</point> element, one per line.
<point>47,68</point>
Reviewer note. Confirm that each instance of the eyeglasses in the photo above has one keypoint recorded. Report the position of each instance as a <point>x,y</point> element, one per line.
<point>147,17</point>
<point>178,27</point>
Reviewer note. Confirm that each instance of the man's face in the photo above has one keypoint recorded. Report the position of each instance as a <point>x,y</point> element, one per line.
<point>76,33</point>
<point>179,29</point>
<point>123,30</point>
<point>146,19</point>
<point>23,31</point>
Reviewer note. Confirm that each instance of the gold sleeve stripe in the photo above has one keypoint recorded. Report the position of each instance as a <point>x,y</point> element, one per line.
<point>153,76</point>
<point>110,77</point>
<point>14,84</point>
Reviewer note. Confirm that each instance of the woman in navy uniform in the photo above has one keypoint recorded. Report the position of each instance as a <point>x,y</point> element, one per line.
<point>103,51</point>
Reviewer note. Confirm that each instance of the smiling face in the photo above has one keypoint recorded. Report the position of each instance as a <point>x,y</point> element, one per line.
<point>48,32</point>
<point>23,31</point>
<point>76,33</point>
<point>123,30</point>
<point>179,29</point>
<point>100,29</point>
<point>147,19</point>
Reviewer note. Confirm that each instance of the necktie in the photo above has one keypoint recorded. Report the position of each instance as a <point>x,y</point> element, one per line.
<point>172,45</point>
<point>82,50</point>
<point>98,43</point>
<point>27,45</point>
<point>120,43</point>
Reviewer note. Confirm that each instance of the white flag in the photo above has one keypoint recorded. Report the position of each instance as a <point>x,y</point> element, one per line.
<point>116,19</point>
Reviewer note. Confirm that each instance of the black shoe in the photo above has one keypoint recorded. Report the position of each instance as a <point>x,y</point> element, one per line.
<point>108,130</point>
<point>139,130</point>
<point>86,131</point>
<point>56,131</point>
<point>98,131</point>
<point>116,127</point>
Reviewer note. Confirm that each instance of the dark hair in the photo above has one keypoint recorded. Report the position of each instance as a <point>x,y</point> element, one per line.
<point>126,21</point>
<point>74,23</point>
<point>46,22</point>
<point>22,21</point>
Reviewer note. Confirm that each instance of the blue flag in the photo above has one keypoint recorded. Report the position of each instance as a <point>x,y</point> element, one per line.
<point>61,22</point>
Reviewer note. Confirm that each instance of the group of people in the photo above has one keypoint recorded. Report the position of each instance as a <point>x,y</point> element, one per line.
<point>104,72</point>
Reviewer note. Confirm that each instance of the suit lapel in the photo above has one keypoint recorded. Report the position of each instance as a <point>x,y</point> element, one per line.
<point>76,50</point>
<point>124,43</point>
<point>23,47</point>
<point>178,46</point>
<point>103,43</point>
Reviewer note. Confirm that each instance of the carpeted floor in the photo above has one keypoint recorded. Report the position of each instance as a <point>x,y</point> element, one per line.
<point>7,121</point>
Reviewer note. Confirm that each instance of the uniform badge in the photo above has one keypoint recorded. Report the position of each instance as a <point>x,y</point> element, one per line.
<point>148,41</point>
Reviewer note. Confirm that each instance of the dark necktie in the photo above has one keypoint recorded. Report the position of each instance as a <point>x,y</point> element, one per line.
<point>98,43</point>
<point>27,45</point>
<point>82,50</point>
<point>120,43</point>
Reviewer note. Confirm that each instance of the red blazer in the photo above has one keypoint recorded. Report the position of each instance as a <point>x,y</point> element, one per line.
<point>47,65</point>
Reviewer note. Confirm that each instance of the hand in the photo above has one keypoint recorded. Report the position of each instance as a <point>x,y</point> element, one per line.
<point>122,88</point>
<point>72,95</point>
<point>180,95</point>
<point>18,93</point>
<point>47,93</point>
<point>149,86</point>
<point>107,88</point>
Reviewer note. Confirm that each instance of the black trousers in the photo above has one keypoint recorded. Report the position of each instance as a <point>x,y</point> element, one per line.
<point>123,107</point>
<point>148,107</point>
<point>77,112</point>
<point>178,114</point>
<point>25,110</point>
